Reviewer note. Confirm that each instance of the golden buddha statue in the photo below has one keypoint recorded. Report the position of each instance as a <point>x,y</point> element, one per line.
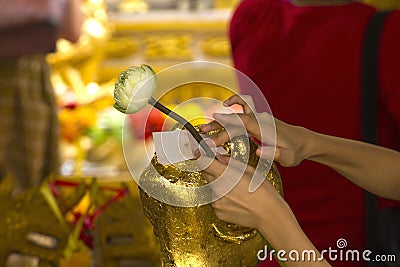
<point>194,236</point>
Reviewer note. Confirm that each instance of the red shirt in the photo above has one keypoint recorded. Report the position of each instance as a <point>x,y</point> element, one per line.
<point>307,62</point>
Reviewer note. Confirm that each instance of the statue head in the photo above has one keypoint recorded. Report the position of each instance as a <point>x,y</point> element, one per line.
<point>195,236</point>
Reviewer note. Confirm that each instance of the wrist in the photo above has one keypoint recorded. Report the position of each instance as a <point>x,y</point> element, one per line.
<point>308,141</point>
<point>277,223</point>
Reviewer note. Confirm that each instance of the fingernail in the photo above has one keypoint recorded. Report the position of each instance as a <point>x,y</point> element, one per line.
<point>221,158</point>
<point>217,115</point>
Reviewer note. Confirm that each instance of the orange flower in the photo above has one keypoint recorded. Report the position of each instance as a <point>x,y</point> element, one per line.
<point>75,122</point>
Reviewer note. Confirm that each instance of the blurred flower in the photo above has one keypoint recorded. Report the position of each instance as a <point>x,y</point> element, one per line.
<point>133,89</point>
<point>74,122</point>
<point>110,124</point>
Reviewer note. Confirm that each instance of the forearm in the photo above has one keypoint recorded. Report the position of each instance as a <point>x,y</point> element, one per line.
<point>285,234</point>
<point>371,167</point>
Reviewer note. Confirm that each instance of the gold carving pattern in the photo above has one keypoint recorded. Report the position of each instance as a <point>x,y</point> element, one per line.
<point>168,47</point>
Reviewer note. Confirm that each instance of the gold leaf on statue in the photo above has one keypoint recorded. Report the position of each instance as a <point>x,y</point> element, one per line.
<point>194,236</point>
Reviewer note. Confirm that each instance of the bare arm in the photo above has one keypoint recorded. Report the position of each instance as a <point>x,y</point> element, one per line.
<point>374,168</point>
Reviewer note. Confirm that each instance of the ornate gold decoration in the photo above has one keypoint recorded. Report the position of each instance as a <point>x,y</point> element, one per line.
<point>168,47</point>
<point>30,226</point>
<point>133,6</point>
<point>384,4</point>
<point>194,236</point>
<point>225,4</point>
<point>39,223</point>
<point>216,46</point>
<point>121,46</point>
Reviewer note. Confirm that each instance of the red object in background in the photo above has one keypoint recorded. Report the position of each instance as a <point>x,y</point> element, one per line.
<point>70,105</point>
<point>88,223</point>
<point>142,126</point>
<point>307,62</point>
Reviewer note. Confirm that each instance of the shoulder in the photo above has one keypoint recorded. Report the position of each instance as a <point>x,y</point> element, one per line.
<point>253,15</point>
<point>254,8</point>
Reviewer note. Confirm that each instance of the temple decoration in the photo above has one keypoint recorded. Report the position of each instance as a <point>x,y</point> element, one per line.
<point>384,4</point>
<point>62,221</point>
<point>166,36</point>
<point>194,236</point>
<point>122,234</point>
<point>169,47</point>
<point>33,223</point>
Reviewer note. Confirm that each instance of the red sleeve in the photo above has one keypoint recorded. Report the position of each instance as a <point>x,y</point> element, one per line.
<point>389,119</point>
<point>390,70</point>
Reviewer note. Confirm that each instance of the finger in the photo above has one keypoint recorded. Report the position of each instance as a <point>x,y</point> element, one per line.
<point>219,209</point>
<point>268,152</point>
<point>222,158</point>
<point>245,101</point>
<point>238,165</point>
<point>219,180</point>
<point>244,121</point>
<point>210,178</point>
<point>245,171</point>
<point>211,166</point>
<point>211,126</point>
<point>223,165</point>
<point>265,118</point>
<point>228,134</point>
<point>220,138</point>
<point>219,204</point>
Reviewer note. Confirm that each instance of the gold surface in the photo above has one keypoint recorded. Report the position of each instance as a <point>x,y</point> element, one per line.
<point>194,236</point>
<point>122,233</point>
<point>38,224</point>
<point>29,225</point>
<point>384,4</point>
<point>165,38</point>
<point>217,46</point>
<point>172,46</point>
<point>191,91</point>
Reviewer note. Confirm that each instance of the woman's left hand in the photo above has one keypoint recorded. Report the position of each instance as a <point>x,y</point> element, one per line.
<point>263,209</point>
<point>239,206</point>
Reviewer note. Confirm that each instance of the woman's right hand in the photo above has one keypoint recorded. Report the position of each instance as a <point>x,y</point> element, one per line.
<point>289,148</point>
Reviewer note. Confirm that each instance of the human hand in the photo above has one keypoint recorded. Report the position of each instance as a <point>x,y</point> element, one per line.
<point>263,209</point>
<point>237,205</point>
<point>288,148</point>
